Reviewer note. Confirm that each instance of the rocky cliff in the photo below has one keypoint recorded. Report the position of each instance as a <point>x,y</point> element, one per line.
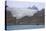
<point>9,18</point>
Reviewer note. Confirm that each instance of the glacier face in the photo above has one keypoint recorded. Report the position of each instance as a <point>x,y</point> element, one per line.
<point>19,13</point>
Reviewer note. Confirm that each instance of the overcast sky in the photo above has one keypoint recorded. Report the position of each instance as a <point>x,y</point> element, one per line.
<point>14,4</point>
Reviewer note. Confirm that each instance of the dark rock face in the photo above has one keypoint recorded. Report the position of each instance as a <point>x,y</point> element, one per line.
<point>9,18</point>
<point>8,14</point>
<point>24,20</point>
<point>38,18</point>
<point>34,7</point>
<point>40,13</point>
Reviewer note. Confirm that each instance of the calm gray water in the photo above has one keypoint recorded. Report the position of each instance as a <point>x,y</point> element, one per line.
<point>21,27</point>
